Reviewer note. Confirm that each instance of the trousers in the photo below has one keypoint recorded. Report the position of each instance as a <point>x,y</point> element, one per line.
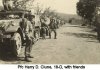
<point>28,47</point>
<point>52,30</point>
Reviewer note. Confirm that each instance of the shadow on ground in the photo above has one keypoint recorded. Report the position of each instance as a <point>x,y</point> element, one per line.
<point>81,35</point>
<point>75,26</point>
<point>71,26</point>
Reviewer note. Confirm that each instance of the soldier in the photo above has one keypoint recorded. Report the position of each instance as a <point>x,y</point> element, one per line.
<point>31,18</point>
<point>28,30</point>
<point>52,27</point>
<point>57,23</point>
<point>43,27</point>
<point>7,4</point>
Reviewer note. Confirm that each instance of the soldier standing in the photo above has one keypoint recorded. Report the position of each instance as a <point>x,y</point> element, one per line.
<point>31,18</point>
<point>43,28</point>
<point>52,27</point>
<point>28,30</point>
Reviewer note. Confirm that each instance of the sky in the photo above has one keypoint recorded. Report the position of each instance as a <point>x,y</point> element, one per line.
<point>63,6</point>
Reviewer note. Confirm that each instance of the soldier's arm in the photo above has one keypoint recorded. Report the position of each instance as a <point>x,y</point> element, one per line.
<point>31,30</point>
<point>30,27</point>
<point>27,30</point>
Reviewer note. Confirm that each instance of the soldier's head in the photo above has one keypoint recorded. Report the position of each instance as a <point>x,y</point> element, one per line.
<point>23,19</point>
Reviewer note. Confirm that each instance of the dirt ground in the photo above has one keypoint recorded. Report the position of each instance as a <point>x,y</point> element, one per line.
<point>74,45</point>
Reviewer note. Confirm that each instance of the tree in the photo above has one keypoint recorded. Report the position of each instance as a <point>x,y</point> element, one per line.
<point>86,9</point>
<point>38,9</point>
<point>49,12</point>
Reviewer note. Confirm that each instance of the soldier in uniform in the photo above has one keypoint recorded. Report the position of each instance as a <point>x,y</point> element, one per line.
<point>52,27</point>
<point>44,26</point>
<point>57,23</point>
<point>28,30</point>
<point>31,18</point>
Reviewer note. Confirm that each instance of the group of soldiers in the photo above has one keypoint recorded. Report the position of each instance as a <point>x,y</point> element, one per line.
<point>28,26</point>
<point>35,27</point>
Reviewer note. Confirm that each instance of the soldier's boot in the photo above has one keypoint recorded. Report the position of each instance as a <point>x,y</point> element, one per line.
<point>44,36</point>
<point>49,35</point>
<point>27,59</point>
<point>30,56</point>
<point>55,37</point>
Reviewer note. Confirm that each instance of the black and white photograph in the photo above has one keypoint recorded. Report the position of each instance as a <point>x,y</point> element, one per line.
<point>49,31</point>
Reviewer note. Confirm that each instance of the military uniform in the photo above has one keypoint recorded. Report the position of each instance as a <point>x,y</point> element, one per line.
<point>28,30</point>
<point>52,27</point>
<point>29,37</point>
<point>43,28</point>
<point>31,18</point>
